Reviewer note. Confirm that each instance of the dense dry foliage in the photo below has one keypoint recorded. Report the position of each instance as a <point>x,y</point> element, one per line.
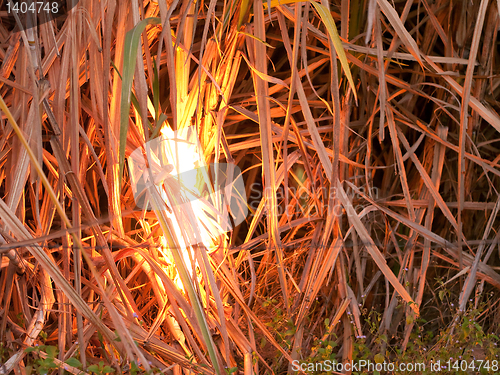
<point>373,200</point>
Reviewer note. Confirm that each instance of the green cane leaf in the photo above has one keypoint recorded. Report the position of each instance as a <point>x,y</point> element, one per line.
<point>129,61</point>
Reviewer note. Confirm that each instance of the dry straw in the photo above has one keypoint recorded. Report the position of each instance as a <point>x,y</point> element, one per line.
<point>405,106</point>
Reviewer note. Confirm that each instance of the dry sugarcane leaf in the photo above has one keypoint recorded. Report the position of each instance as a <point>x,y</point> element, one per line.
<point>372,248</point>
<point>401,31</point>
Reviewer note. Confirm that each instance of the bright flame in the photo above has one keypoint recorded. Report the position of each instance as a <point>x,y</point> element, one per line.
<point>202,202</point>
<point>183,152</point>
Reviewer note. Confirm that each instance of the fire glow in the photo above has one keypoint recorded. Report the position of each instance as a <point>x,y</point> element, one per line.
<point>201,202</point>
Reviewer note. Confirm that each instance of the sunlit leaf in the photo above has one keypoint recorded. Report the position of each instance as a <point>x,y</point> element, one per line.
<point>334,35</point>
<point>327,19</point>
